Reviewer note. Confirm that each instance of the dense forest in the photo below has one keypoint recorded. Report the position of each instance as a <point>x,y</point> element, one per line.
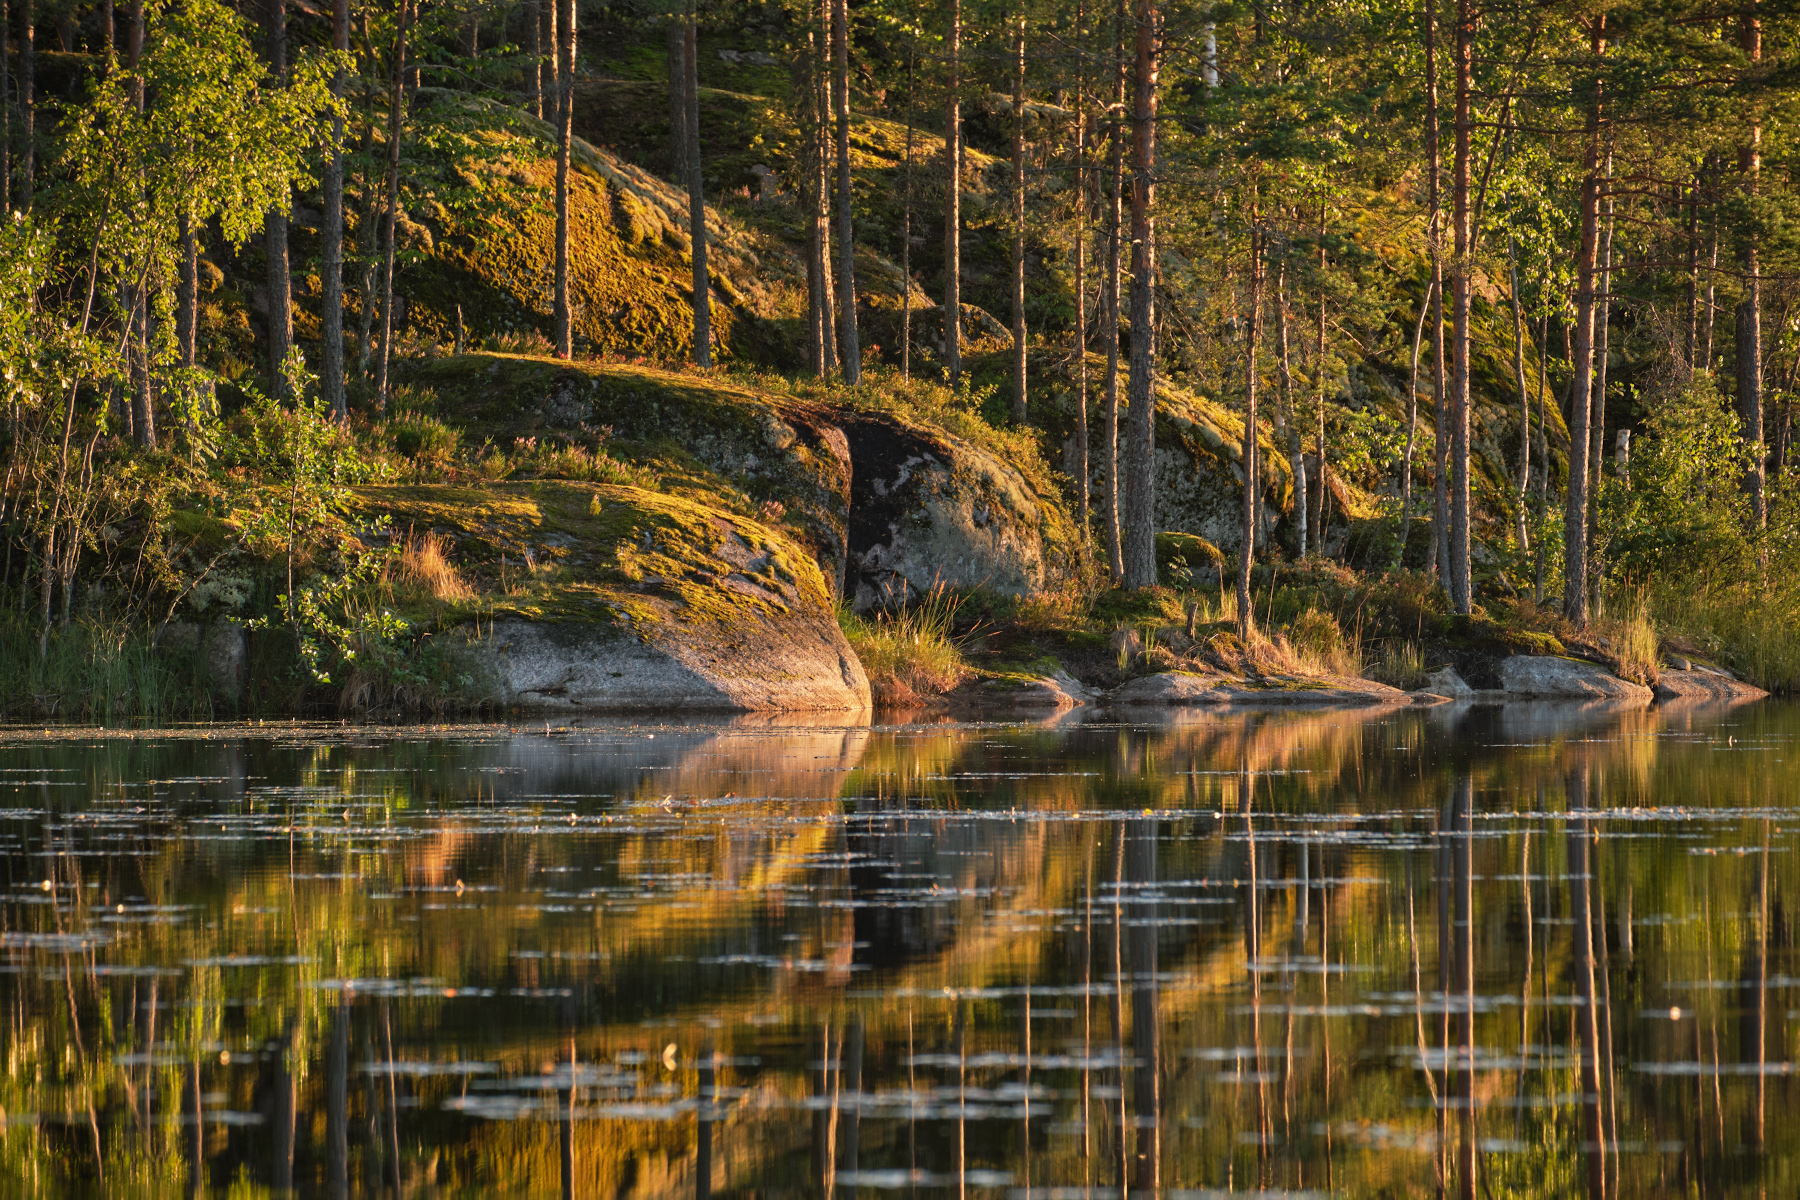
<point>1457,319</point>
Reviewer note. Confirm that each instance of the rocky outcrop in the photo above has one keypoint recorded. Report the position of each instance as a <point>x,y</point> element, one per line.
<point>633,600</point>
<point>1174,688</point>
<point>1200,472</point>
<point>1548,676</point>
<point>1057,691</point>
<point>928,508</point>
<point>1705,685</point>
<point>1447,683</point>
<point>794,663</point>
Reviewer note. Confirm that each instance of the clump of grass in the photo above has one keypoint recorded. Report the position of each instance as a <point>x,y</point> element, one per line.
<point>1632,639</point>
<point>96,669</point>
<point>909,653</point>
<point>423,567</point>
<point>1400,662</point>
<point>1319,646</point>
<point>1752,631</point>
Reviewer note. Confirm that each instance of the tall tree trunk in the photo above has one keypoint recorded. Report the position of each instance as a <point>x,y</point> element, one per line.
<point>1575,567</point>
<point>1440,514</point>
<point>143,397</point>
<point>849,345</point>
<point>1287,425</point>
<point>1324,488</point>
<point>1115,219</point>
<point>1597,419</point>
<point>331,267</point>
<point>551,64</point>
<point>1518,316</point>
<point>696,190</point>
<point>906,207</point>
<point>534,42</point>
<point>565,132</point>
<point>1246,614</point>
<point>1083,466</point>
<point>817,126</point>
<point>391,216</point>
<point>1019,362</point>
<point>187,309</point>
<point>1749,310</point>
<point>6,106</point>
<point>1138,542</point>
<point>1710,308</point>
<point>1543,447</point>
<point>275,226</point>
<point>1412,427</point>
<point>677,39</point>
<point>1693,271</point>
<point>1460,586</point>
<point>953,202</point>
<point>28,102</point>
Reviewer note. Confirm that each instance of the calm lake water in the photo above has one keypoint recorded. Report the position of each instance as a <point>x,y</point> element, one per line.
<point>1521,951</point>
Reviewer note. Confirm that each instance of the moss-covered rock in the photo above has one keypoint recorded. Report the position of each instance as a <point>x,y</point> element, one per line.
<point>613,597</point>
<point>930,509</point>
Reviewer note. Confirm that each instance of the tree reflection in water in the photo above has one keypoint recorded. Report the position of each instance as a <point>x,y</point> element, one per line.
<point>925,960</point>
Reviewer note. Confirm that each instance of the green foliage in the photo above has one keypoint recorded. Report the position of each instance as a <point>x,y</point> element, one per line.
<point>1683,511</point>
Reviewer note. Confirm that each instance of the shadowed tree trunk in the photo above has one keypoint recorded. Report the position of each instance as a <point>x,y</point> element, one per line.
<point>275,226</point>
<point>1518,316</point>
<point>906,206</point>
<point>1138,548</point>
<point>331,268</point>
<point>28,100</point>
<point>143,404</point>
<point>391,216</point>
<point>849,345</point>
<point>1440,512</point>
<point>565,129</point>
<point>1460,315</point>
<point>1115,220</point>
<point>696,190</point>
<point>1749,310</point>
<point>953,202</point>
<point>1285,418</point>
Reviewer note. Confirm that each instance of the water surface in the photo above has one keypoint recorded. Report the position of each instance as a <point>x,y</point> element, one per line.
<point>1520,951</point>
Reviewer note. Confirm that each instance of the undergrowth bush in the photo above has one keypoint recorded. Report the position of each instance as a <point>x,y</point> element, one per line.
<point>909,653</point>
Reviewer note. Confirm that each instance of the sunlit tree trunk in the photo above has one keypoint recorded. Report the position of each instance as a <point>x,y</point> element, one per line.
<point>1019,361</point>
<point>953,201</point>
<point>1083,466</point>
<point>1575,567</point>
<point>1518,316</point>
<point>1246,617</point>
<point>906,213</point>
<point>1412,428</point>
<point>849,344</point>
<point>143,404</point>
<point>1440,513</point>
<point>1138,541</point>
<point>1597,418</point>
<point>565,131</point>
<point>1286,424</point>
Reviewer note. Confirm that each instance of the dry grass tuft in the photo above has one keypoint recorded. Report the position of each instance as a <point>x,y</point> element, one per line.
<point>424,568</point>
<point>910,654</point>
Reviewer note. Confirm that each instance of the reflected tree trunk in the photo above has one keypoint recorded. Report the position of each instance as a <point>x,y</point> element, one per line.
<point>1587,1021</point>
<point>337,1106</point>
<point>1146,1027</point>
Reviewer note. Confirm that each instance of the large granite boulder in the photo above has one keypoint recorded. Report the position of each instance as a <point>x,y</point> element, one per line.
<point>929,508</point>
<point>1177,688</point>
<point>1554,677</point>
<point>1705,685</point>
<point>613,598</point>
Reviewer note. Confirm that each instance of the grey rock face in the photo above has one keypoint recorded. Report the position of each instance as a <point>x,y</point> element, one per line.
<point>1447,683</point>
<point>789,663</point>
<point>1704,685</point>
<point>1547,675</point>
<point>1174,688</point>
<point>929,509</point>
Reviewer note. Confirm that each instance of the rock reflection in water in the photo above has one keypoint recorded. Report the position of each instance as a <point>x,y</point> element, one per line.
<point>1481,951</point>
